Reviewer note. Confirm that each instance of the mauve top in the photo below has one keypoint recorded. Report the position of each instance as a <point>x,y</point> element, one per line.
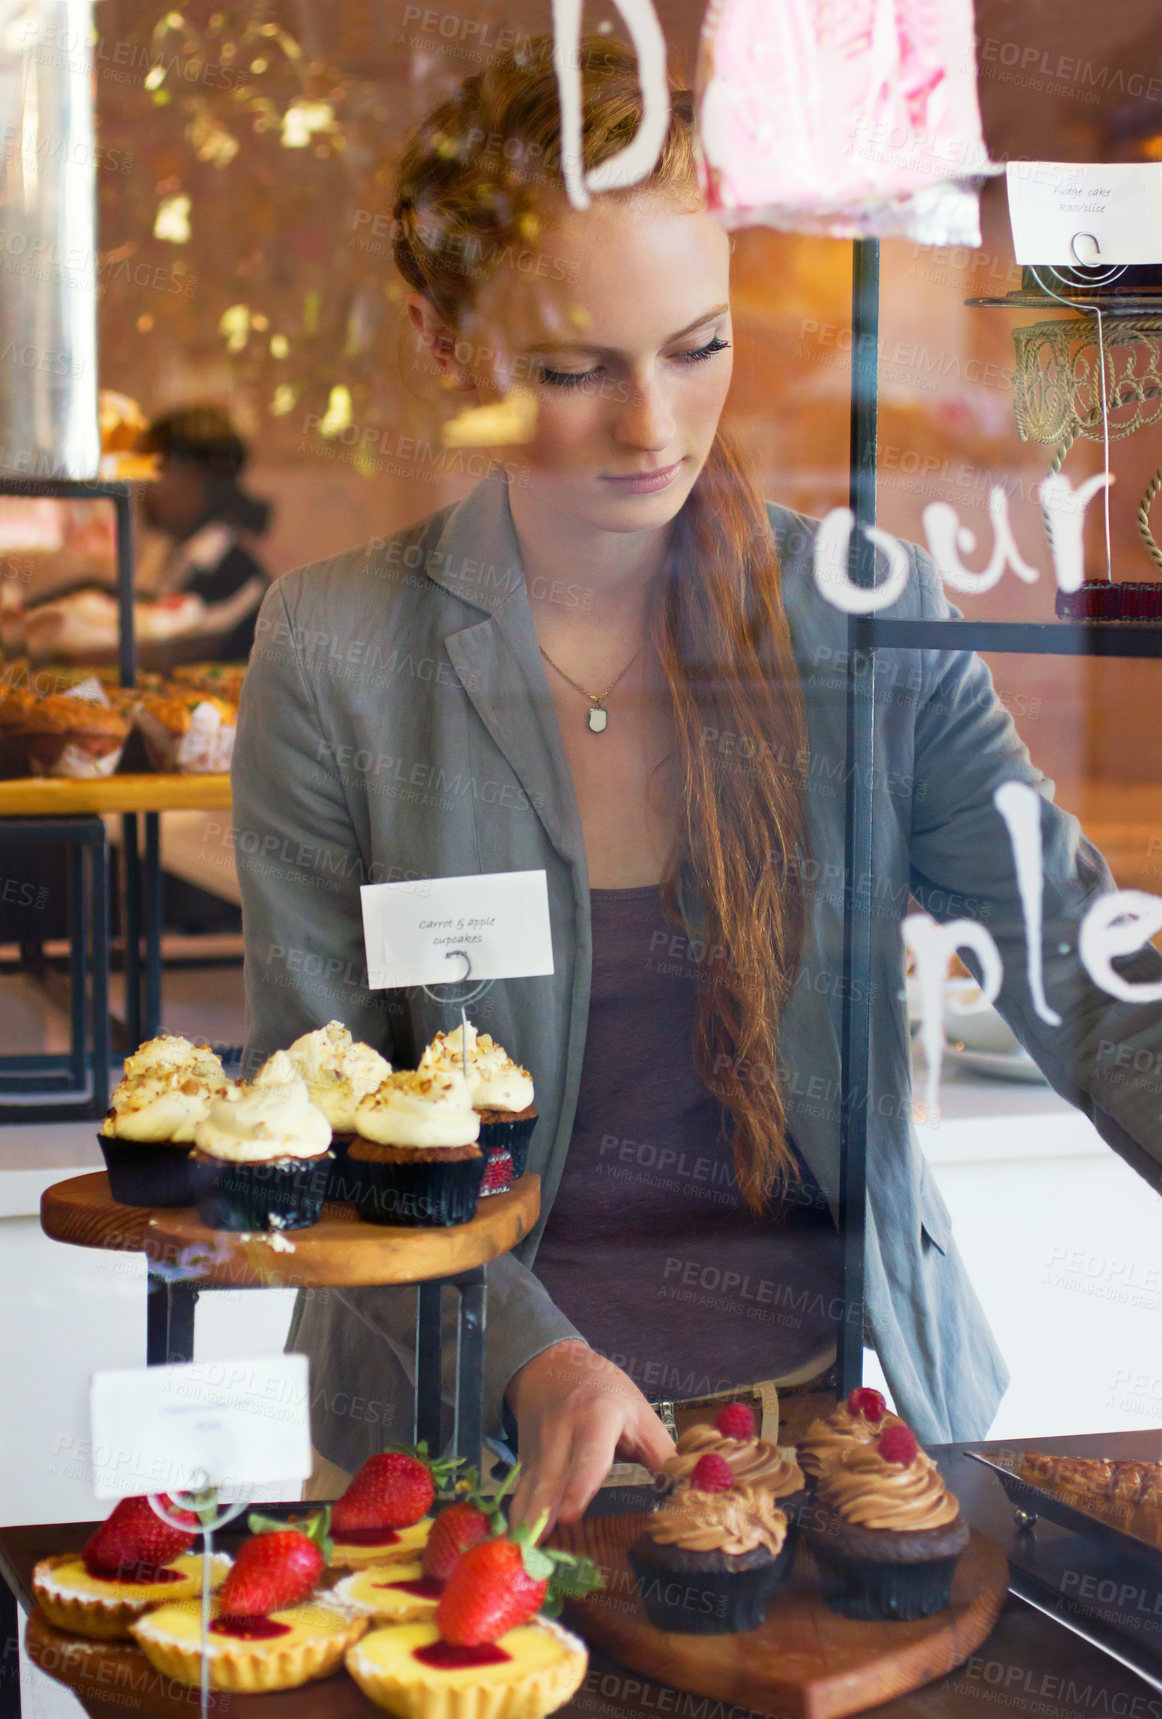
<point>650,1249</point>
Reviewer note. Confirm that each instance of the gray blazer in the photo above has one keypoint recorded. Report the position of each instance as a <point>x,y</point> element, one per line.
<point>396,723</point>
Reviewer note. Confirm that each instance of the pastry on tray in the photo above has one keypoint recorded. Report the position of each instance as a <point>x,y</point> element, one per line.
<point>223,679</point>
<point>857,1421</point>
<point>262,1156</point>
<point>188,732</point>
<point>502,1091</point>
<point>63,733</point>
<point>148,1131</point>
<point>709,1561</point>
<point>414,1159</point>
<point>131,1564</point>
<point>1104,1479</point>
<point>885,1531</point>
<point>269,1629</point>
<point>383,1517</point>
<point>486,1654</point>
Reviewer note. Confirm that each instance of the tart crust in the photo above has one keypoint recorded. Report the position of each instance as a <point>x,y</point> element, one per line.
<point>103,1609</point>
<point>347,1556</point>
<point>547,1668</point>
<point>320,1636</point>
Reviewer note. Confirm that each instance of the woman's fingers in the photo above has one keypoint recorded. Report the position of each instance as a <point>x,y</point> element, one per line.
<point>648,1442</point>
<point>542,1484</point>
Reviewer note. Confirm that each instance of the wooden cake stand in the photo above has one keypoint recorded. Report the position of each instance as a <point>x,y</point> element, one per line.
<point>340,1251</point>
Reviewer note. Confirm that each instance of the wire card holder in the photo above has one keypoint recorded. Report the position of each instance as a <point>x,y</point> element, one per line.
<point>212,1513</point>
<point>480,989</point>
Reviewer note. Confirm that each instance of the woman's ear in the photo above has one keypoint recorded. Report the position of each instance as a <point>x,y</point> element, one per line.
<point>440,340</point>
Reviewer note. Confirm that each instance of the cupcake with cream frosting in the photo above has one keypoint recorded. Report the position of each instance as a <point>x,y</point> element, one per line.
<point>885,1531</point>
<point>415,1159</point>
<point>262,1154</point>
<point>165,1090</point>
<point>340,1072</point>
<point>709,1561</point>
<point>502,1091</point>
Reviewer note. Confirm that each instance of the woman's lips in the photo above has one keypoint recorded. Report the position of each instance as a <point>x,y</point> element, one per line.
<point>643,483</point>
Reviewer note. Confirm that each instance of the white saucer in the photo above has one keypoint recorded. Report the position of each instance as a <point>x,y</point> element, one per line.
<point>998,1065</point>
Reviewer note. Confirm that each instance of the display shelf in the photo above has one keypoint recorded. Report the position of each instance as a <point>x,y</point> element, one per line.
<point>340,1251</point>
<point>61,796</point>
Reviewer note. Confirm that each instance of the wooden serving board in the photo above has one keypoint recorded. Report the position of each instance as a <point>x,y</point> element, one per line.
<point>804,1661</point>
<point>340,1250</point>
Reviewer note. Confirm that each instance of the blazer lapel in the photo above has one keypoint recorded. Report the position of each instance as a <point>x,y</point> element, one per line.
<point>498,660</point>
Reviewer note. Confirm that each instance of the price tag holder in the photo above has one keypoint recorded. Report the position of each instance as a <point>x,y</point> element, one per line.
<point>498,920</point>
<point>1064,213</point>
<point>228,1424</point>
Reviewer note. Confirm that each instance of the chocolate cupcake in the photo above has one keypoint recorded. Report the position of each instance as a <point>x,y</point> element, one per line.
<point>502,1091</point>
<point>858,1421</point>
<point>415,1159</point>
<point>148,1133</point>
<point>262,1157</point>
<point>709,1560</point>
<point>885,1531</point>
<point>340,1072</point>
<point>753,1462</point>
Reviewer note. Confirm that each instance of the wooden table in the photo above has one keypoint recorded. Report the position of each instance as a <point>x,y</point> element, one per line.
<point>147,791</point>
<point>1029,1668</point>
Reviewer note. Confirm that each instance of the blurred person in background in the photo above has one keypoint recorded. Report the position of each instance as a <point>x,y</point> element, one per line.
<point>212,523</point>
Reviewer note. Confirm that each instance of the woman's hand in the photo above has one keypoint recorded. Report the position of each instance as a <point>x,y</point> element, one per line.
<point>575,1413</point>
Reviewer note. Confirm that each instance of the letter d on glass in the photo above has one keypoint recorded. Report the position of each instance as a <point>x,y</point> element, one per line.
<point>633,163</point>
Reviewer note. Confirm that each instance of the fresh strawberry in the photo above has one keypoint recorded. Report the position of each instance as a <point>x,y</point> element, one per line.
<point>736,1420</point>
<point>133,1537</point>
<point>463,1525</point>
<point>278,1567</point>
<point>497,1174</point>
<point>503,1582</point>
<point>712,1473</point>
<point>392,1490</point>
<point>898,1444</point>
<point>867,1402</point>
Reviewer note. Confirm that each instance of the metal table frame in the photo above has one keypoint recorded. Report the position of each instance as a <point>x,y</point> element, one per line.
<point>142,895</point>
<point>170,1339</point>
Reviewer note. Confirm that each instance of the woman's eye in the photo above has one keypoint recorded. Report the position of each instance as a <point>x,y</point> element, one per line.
<point>701,352</point>
<point>564,378</point>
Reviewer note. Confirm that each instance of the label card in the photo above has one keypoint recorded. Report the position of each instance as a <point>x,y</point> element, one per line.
<point>1062,213</point>
<point>500,919</point>
<point>230,1424</point>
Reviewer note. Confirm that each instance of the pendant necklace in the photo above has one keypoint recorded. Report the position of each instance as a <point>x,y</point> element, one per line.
<point>598,717</point>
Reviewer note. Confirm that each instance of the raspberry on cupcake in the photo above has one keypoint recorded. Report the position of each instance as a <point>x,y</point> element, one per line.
<point>751,1460</point>
<point>859,1420</point>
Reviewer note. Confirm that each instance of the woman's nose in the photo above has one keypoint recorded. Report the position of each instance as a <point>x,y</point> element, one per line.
<point>645,419</point>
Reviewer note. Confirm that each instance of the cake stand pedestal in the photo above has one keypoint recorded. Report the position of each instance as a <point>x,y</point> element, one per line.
<point>340,1251</point>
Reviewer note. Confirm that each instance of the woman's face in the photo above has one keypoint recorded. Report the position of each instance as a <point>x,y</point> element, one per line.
<point>618,320</point>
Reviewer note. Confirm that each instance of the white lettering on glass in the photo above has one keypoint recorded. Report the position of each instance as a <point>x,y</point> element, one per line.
<point>1065,515</point>
<point>1020,807</point>
<point>947,537</point>
<point>832,544</point>
<point>1120,923</point>
<point>633,163</point>
<point>933,946</point>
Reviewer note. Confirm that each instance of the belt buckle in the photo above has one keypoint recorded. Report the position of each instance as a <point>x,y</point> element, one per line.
<point>665,1413</point>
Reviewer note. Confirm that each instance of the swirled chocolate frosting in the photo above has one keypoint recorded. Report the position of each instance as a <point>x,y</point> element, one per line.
<point>753,1461</point>
<point>826,1441</point>
<point>734,1522</point>
<point>870,1492</point>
